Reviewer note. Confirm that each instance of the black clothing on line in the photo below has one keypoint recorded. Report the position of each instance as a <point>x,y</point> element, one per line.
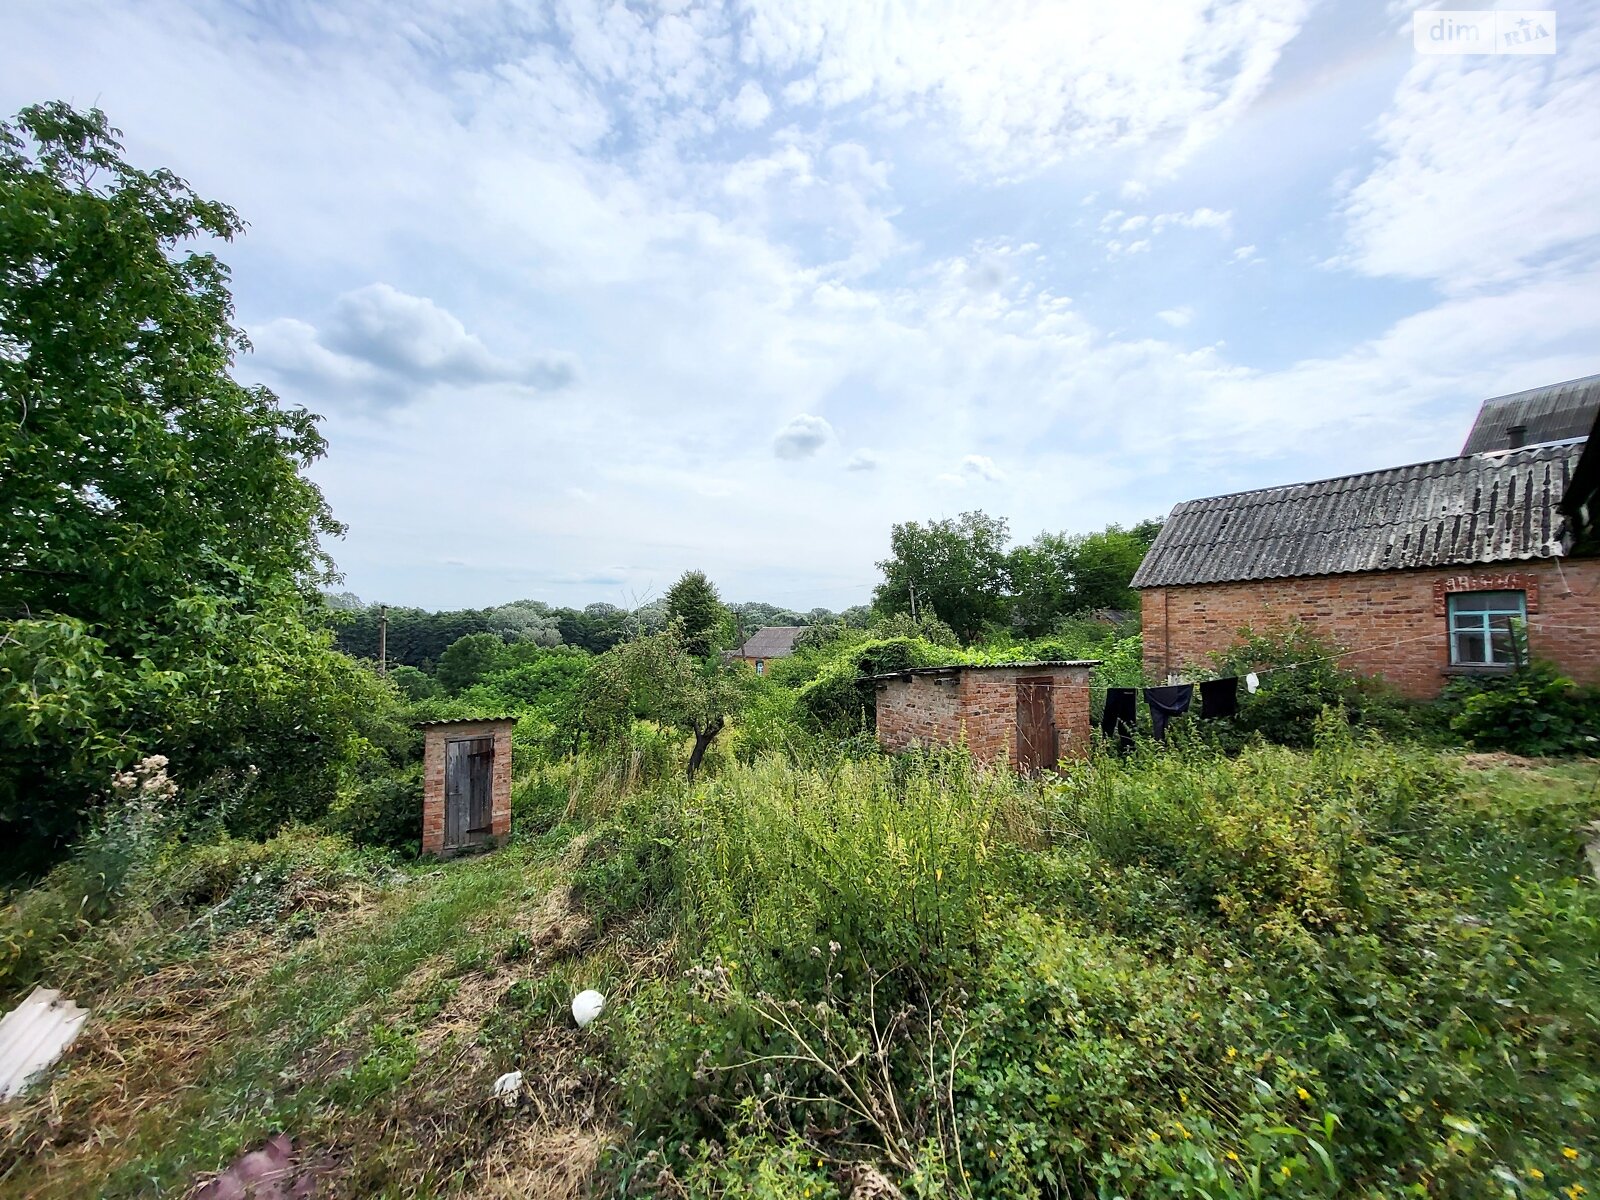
<point>1219,698</point>
<point>1166,703</point>
<point>1119,715</point>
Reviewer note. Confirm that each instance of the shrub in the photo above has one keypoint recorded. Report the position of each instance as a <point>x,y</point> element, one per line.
<point>1535,710</point>
<point>1300,677</point>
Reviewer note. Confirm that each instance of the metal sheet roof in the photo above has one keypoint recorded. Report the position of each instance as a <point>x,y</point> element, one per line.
<point>33,1035</point>
<point>1481,508</point>
<point>1555,413</point>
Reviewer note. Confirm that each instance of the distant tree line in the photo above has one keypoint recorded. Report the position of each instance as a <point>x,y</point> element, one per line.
<point>419,638</point>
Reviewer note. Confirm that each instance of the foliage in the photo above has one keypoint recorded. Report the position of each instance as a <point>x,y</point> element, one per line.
<point>1058,575</point>
<point>160,540</point>
<point>657,676</point>
<point>1533,710</point>
<point>693,604</point>
<point>964,572</point>
<point>957,567</point>
<point>468,660</point>
<point>1300,676</point>
<point>839,700</point>
<point>1324,972</point>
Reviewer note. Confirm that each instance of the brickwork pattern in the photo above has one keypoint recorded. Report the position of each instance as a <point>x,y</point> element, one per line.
<point>1183,626</point>
<point>434,739</point>
<point>980,705</point>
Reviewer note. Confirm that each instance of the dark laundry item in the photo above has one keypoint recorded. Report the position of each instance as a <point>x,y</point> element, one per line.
<point>1219,698</point>
<point>1166,703</point>
<point>1120,713</point>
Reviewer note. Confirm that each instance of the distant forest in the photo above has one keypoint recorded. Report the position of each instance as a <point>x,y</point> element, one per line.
<point>418,637</point>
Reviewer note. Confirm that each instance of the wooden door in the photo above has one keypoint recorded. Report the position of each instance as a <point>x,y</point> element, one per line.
<point>468,791</point>
<point>1036,726</point>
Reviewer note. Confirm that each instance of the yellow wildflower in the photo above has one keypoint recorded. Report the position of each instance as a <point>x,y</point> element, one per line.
<point>1304,1095</point>
<point>1284,1170</point>
<point>1231,1156</point>
<point>1568,1152</point>
<point>1535,1173</point>
<point>1154,1136</point>
<point>1575,1190</point>
<point>1233,1052</point>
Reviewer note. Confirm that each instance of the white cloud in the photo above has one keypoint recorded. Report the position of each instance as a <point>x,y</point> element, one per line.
<point>863,460</point>
<point>802,437</point>
<point>391,345</point>
<point>981,466</point>
<point>750,108</point>
<point>1489,168</point>
<point>1024,83</point>
<point>1177,317</point>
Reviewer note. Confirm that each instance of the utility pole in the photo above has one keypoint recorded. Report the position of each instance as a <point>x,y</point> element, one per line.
<point>383,639</point>
<point>913,602</point>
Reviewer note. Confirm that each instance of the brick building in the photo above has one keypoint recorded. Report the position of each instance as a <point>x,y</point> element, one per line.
<point>466,784</point>
<point>1423,569</point>
<point>1026,715</point>
<point>764,645</point>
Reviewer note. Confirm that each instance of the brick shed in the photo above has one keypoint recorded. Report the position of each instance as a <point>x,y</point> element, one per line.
<point>1026,715</point>
<point>466,784</point>
<point>1423,568</point>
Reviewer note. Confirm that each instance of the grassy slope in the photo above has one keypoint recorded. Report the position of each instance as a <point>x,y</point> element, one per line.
<point>376,1040</point>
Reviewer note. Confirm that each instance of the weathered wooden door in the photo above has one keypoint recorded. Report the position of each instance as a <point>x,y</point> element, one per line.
<point>1036,726</point>
<point>468,791</point>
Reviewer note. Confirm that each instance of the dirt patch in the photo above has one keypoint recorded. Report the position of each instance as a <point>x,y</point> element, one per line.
<point>1488,761</point>
<point>556,1162</point>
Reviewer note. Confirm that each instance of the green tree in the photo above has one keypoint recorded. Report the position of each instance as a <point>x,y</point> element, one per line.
<point>469,659</point>
<point>159,541</point>
<point>958,568</point>
<point>659,676</point>
<point>1105,564</point>
<point>694,605</point>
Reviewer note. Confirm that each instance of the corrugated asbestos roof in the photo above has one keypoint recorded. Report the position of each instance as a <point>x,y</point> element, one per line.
<point>958,668</point>
<point>1483,508</point>
<point>33,1035</point>
<point>775,641</point>
<point>1555,413</point>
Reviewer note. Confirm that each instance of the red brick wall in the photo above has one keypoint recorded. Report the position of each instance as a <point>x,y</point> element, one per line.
<point>1184,625</point>
<point>981,705</point>
<point>434,739</point>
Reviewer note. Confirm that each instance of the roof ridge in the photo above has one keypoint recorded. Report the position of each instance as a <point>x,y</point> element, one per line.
<point>1542,447</point>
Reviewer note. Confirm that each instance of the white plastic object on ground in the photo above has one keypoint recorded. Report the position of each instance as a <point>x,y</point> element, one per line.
<point>586,1006</point>
<point>1251,682</point>
<point>508,1087</point>
<point>33,1035</point>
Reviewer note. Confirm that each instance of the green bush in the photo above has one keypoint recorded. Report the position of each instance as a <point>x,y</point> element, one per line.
<point>1301,675</point>
<point>1534,710</point>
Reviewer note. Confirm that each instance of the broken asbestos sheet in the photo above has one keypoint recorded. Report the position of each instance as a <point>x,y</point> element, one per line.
<point>33,1035</point>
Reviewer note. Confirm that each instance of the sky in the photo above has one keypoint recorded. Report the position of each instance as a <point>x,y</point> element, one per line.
<point>592,294</point>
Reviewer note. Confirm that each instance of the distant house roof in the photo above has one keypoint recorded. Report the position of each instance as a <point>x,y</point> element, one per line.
<point>776,641</point>
<point>1481,508</point>
<point>1555,413</point>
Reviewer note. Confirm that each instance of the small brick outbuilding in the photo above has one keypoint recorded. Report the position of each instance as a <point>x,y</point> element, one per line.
<point>466,788</point>
<point>1028,716</point>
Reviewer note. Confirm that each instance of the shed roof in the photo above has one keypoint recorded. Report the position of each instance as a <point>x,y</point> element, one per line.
<point>775,641</point>
<point>465,720</point>
<point>1554,413</point>
<point>1480,508</point>
<point>957,668</point>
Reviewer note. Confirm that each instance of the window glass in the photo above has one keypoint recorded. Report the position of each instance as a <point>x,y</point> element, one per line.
<point>1481,632</point>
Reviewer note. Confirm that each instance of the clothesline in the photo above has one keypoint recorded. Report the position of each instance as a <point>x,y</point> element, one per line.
<point>1100,687</point>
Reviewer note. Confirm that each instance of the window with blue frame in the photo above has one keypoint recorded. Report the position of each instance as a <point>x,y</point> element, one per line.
<point>1481,628</point>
